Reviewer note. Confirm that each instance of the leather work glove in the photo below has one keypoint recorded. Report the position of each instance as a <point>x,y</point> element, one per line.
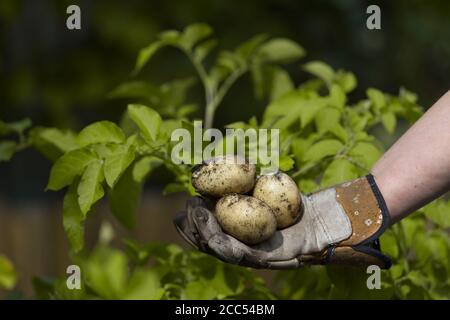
<point>339,225</point>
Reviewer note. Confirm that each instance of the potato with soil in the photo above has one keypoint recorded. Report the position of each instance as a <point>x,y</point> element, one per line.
<point>246,218</point>
<point>281,194</point>
<point>224,175</point>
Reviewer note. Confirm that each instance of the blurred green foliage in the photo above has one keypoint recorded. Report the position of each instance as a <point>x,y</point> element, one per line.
<point>60,78</point>
<point>326,138</point>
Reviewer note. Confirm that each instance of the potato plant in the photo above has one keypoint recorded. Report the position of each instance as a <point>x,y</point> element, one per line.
<point>326,138</point>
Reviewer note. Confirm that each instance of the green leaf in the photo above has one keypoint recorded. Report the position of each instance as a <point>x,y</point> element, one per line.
<point>396,271</point>
<point>389,121</point>
<point>338,171</point>
<point>67,167</point>
<point>194,33</point>
<point>346,80</point>
<point>300,147</point>
<point>438,212</point>
<point>147,119</point>
<point>145,166</point>
<point>100,132</point>
<point>117,161</point>
<point>389,244</point>
<point>137,90</point>
<point>320,70</point>
<point>106,273</point>
<point>90,188</point>
<point>8,276</point>
<point>407,95</point>
<point>417,278</point>
<point>249,48</point>
<point>366,153</point>
<point>64,140</point>
<point>377,98</point>
<point>322,149</point>
<point>18,127</point>
<point>203,49</point>
<point>337,97</point>
<point>144,284</point>
<point>146,54</point>
<point>199,290</point>
<point>280,50</point>
<point>124,198</point>
<point>73,219</point>
<point>289,108</point>
<point>7,150</point>
<point>327,119</point>
<point>286,163</point>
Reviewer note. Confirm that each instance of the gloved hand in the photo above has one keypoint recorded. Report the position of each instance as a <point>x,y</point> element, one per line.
<point>339,225</point>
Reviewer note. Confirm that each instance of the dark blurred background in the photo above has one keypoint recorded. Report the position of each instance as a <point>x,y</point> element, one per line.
<point>59,77</point>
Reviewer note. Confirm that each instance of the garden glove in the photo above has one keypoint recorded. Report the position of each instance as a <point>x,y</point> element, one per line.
<point>339,225</point>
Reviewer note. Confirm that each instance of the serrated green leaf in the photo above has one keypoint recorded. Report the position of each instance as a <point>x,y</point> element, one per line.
<point>67,167</point>
<point>124,198</point>
<point>389,121</point>
<point>90,188</point>
<point>322,149</point>
<point>117,161</point>
<point>7,150</point>
<point>320,70</point>
<point>8,276</point>
<point>100,132</point>
<point>147,119</point>
<point>73,219</point>
<point>340,170</point>
<point>280,50</point>
<point>145,166</point>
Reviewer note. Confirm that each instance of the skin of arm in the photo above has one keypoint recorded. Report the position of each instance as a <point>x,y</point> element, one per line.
<point>416,169</point>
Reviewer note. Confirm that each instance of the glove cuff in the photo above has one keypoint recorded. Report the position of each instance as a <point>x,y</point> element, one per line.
<point>364,205</point>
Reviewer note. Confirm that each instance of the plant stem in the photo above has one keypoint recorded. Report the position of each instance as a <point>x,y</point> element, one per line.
<point>217,98</point>
<point>213,97</point>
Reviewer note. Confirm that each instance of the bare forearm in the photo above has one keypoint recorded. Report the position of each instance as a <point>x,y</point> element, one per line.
<point>416,169</point>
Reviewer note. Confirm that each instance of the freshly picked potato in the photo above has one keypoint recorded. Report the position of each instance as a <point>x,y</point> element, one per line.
<point>281,194</point>
<point>246,218</point>
<point>224,175</point>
